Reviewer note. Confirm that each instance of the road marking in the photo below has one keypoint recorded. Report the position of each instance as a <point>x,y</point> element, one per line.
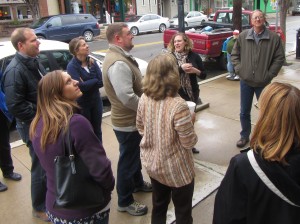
<point>137,45</point>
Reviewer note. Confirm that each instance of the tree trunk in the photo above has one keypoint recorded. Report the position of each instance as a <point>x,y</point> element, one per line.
<point>283,6</point>
<point>237,15</point>
<point>33,5</point>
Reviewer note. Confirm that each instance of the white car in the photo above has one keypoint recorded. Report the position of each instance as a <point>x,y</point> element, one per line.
<point>55,55</point>
<point>147,23</point>
<point>191,19</point>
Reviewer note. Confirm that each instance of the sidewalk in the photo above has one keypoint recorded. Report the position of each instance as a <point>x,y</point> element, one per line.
<point>218,130</point>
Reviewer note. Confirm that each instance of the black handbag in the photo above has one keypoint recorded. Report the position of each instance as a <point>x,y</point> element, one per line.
<point>75,188</point>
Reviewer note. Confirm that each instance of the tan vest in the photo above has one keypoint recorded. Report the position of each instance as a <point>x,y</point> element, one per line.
<point>121,116</point>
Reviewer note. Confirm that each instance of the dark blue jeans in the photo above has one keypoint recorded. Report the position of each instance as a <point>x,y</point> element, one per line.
<point>247,93</point>
<point>38,175</point>
<point>93,112</point>
<point>6,163</point>
<point>129,172</point>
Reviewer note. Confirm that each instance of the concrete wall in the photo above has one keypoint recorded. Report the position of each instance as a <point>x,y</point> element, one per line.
<point>169,7</point>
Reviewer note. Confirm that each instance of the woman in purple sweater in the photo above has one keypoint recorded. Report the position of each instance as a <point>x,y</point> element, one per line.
<point>56,110</point>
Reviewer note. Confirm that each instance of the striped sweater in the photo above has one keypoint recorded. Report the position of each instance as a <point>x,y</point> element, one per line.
<point>168,137</point>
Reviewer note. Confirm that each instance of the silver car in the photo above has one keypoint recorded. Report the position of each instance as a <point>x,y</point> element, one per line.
<point>56,55</point>
<point>147,23</point>
<point>191,19</point>
<point>296,9</point>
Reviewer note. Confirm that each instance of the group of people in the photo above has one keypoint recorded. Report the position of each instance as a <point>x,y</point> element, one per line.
<point>154,127</point>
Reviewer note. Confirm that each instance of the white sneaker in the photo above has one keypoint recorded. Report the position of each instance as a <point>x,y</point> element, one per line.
<point>229,76</point>
<point>236,78</point>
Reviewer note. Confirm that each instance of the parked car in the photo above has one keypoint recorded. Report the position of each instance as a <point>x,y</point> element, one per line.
<point>55,55</point>
<point>211,17</point>
<point>296,9</point>
<point>191,19</point>
<point>66,27</point>
<point>147,23</point>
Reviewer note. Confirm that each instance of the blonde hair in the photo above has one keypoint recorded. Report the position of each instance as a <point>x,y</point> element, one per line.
<point>189,43</point>
<point>162,77</point>
<point>74,45</point>
<point>52,107</point>
<point>277,130</point>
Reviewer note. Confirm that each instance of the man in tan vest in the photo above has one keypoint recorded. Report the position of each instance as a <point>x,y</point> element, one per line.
<point>122,83</point>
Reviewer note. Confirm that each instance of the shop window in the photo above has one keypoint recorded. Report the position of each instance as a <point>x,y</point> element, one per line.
<point>23,12</point>
<point>5,13</point>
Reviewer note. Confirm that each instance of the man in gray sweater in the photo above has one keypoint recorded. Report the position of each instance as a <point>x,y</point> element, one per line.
<point>122,82</point>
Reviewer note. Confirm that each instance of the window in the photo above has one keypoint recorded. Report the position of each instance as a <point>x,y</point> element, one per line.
<point>56,21</point>
<point>66,20</point>
<point>23,12</point>
<point>5,13</point>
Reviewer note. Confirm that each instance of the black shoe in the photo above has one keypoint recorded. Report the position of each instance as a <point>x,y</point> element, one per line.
<point>13,176</point>
<point>2,187</point>
<point>195,151</point>
<point>242,142</point>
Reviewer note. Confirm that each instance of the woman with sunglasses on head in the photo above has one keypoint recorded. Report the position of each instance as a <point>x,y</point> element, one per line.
<point>89,76</point>
<point>190,67</point>
<point>262,185</point>
<point>56,113</point>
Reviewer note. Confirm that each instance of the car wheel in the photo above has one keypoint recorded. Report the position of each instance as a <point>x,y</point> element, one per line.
<point>134,30</point>
<point>162,28</point>
<point>41,37</point>
<point>88,36</point>
<point>186,24</point>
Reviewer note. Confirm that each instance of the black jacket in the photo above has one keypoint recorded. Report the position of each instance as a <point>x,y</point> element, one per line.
<point>196,61</point>
<point>20,82</point>
<point>244,199</point>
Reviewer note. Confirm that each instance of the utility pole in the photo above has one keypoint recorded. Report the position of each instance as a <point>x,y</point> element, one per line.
<point>180,16</point>
<point>122,11</point>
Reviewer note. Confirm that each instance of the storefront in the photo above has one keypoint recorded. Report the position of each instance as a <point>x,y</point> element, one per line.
<point>14,10</point>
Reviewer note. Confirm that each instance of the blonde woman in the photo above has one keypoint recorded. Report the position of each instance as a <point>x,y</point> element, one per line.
<point>168,136</point>
<point>56,111</point>
<point>263,185</point>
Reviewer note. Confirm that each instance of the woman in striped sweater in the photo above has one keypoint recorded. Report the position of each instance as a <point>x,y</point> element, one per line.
<point>168,136</point>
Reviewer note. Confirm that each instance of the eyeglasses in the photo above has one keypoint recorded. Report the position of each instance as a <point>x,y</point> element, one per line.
<point>258,17</point>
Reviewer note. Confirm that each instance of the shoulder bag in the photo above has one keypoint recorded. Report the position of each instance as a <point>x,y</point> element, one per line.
<point>75,188</point>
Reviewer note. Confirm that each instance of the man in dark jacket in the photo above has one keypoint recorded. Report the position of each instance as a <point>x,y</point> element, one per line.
<point>19,82</point>
<point>257,56</point>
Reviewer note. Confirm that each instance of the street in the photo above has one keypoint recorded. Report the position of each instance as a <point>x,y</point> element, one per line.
<point>148,45</point>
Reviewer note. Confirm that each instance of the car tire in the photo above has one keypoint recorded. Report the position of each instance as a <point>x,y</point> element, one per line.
<point>88,35</point>
<point>134,30</point>
<point>162,28</point>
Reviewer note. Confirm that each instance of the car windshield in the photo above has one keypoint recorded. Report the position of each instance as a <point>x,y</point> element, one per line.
<point>39,22</point>
<point>176,16</point>
<point>134,19</point>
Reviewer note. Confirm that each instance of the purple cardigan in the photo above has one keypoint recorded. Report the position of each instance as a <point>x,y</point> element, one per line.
<point>89,148</point>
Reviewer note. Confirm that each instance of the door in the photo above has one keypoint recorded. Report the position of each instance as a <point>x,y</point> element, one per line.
<point>54,29</point>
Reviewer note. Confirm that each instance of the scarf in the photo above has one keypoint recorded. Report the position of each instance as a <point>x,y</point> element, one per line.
<point>185,81</point>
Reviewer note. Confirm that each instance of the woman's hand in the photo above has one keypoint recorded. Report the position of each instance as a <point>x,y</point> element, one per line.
<point>193,117</point>
<point>189,68</point>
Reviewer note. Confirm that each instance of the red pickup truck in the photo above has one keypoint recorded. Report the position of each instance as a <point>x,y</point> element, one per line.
<point>209,44</point>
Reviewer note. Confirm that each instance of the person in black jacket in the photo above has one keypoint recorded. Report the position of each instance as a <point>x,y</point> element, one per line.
<point>190,67</point>
<point>19,82</point>
<point>263,185</point>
